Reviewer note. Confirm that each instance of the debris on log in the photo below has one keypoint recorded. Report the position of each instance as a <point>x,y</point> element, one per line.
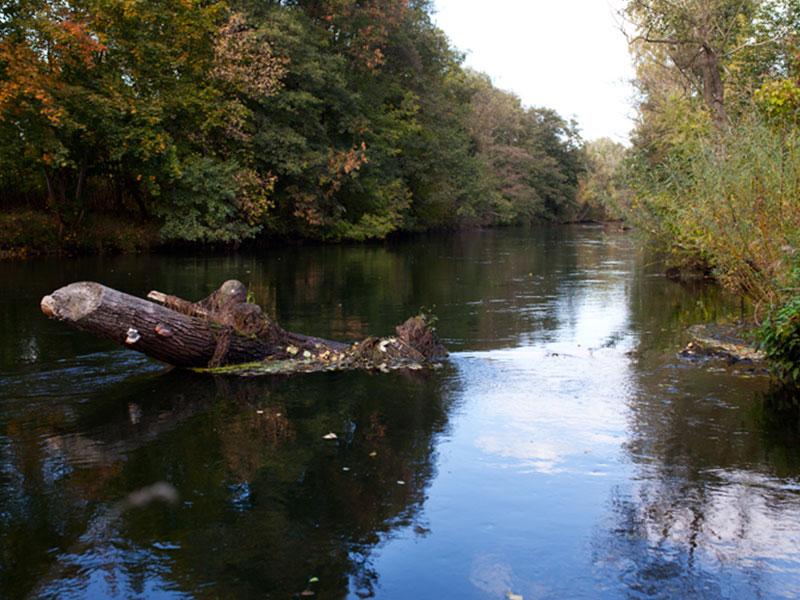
<point>226,333</point>
<point>726,341</point>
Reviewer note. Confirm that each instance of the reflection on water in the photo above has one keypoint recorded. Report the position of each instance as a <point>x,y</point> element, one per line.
<point>563,452</point>
<point>264,502</point>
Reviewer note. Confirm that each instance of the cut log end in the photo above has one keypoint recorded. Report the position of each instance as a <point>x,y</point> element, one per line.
<point>48,306</point>
<point>73,302</point>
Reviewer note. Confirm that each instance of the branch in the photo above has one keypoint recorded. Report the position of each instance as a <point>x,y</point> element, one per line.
<point>748,45</point>
<point>670,42</point>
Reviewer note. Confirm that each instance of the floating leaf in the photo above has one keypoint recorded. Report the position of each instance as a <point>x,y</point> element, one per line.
<point>314,580</point>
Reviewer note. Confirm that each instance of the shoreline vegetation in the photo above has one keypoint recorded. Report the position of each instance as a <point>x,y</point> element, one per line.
<point>712,177</point>
<point>28,235</point>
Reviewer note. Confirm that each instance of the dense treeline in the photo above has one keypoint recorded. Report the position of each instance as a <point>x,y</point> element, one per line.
<point>220,121</point>
<point>713,174</point>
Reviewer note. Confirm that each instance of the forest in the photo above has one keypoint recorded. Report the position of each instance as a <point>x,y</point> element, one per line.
<point>128,124</point>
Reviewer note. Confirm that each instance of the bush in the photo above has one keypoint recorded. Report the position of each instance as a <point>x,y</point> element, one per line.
<point>733,201</point>
<point>780,340</point>
<point>24,233</point>
<point>106,234</point>
<point>747,214</point>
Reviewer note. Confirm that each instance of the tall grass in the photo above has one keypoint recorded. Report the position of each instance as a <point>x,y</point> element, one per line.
<point>744,211</point>
<point>733,202</point>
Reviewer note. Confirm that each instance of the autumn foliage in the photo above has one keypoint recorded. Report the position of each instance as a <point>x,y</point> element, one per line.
<point>219,121</point>
<point>714,169</point>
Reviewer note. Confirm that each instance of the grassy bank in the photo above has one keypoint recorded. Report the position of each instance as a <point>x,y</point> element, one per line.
<point>712,175</point>
<point>729,206</point>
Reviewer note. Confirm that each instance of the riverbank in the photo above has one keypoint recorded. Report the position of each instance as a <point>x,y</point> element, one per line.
<point>27,234</point>
<point>32,234</point>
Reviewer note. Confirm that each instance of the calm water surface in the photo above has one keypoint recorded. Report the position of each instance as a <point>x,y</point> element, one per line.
<point>564,451</point>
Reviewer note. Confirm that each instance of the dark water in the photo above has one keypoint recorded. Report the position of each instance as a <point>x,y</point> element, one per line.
<point>563,452</point>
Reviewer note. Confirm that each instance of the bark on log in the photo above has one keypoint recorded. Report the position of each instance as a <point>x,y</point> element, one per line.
<point>159,332</point>
<point>225,329</point>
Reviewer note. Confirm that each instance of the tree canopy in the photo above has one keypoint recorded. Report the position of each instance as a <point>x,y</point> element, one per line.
<point>219,121</point>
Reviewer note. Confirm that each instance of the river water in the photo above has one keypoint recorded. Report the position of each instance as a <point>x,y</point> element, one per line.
<point>563,451</point>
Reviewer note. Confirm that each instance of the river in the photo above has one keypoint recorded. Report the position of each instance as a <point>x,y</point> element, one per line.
<point>563,451</point>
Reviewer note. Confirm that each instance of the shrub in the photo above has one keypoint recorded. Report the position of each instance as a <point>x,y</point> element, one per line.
<point>27,232</point>
<point>780,340</point>
<point>732,201</point>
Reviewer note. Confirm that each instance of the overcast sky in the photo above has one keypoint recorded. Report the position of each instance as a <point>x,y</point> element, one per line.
<point>564,54</point>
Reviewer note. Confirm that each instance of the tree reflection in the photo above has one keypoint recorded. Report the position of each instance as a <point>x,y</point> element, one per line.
<point>713,503</point>
<point>265,502</point>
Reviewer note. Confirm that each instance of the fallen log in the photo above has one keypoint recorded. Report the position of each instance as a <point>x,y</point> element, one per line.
<point>224,330</point>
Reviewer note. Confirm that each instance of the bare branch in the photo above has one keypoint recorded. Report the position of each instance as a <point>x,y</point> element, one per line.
<point>749,44</point>
<point>670,42</point>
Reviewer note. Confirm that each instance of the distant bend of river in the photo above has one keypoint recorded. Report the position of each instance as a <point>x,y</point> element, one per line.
<point>564,451</point>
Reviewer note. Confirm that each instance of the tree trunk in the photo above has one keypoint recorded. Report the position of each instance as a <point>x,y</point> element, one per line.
<point>713,88</point>
<point>226,329</point>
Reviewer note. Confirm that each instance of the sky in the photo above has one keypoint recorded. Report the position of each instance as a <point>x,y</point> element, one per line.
<point>568,55</point>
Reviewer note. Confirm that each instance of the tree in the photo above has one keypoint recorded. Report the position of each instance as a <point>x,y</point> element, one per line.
<point>694,37</point>
<point>531,155</point>
<point>219,121</point>
<point>97,89</point>
<point>48,54</point>
<point>601,191</point>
